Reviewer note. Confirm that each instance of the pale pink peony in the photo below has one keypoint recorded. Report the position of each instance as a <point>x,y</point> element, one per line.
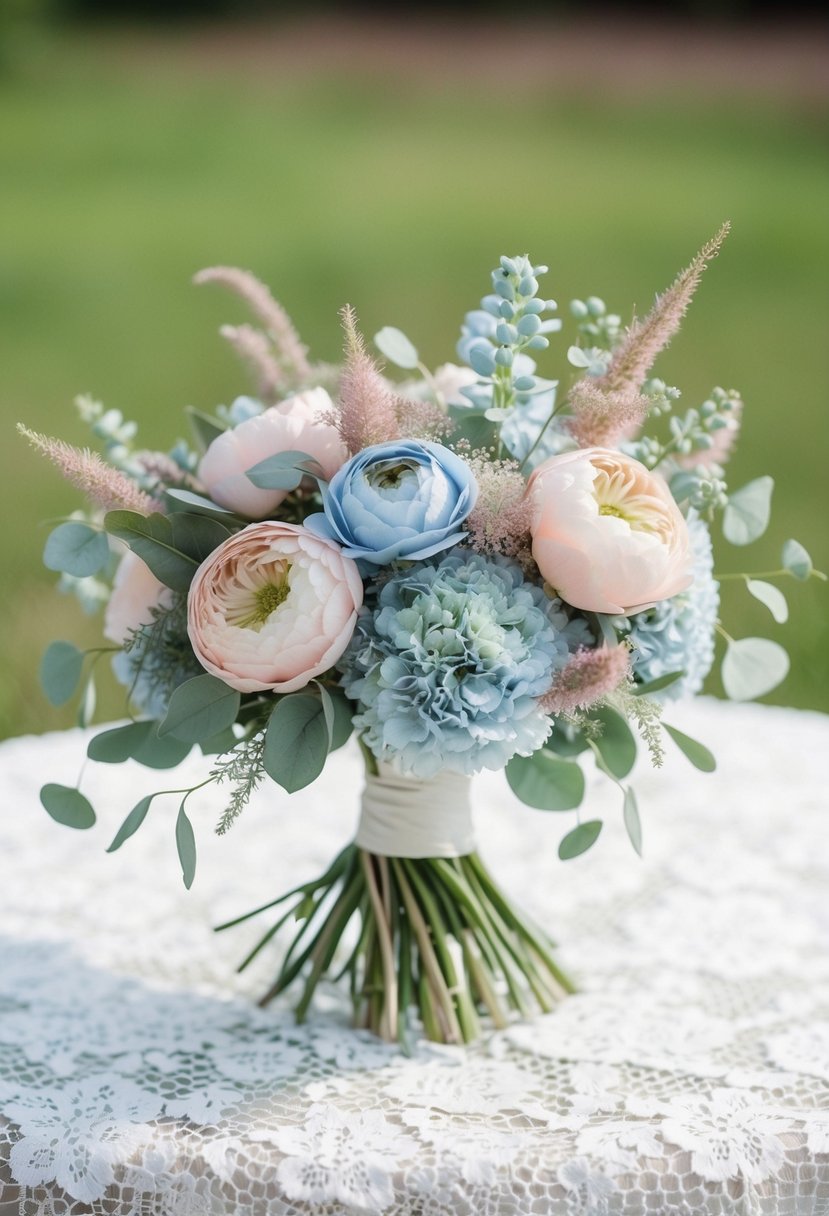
<point>135,593</point>
<point>295,425</point>
<point>273,607</point>
<point>607,534</point>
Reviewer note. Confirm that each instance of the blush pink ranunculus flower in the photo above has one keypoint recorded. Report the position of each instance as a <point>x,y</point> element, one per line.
<point>295,425</point>
<point>135,593</point>
<point>607,534</point>
<point>273,607</point>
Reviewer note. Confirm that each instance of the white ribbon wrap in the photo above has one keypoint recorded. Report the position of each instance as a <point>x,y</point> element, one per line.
<point>404,817</point>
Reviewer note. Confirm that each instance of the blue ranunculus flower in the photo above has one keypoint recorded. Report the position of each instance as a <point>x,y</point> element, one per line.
<point>405,499</point>
<point>448,663</point>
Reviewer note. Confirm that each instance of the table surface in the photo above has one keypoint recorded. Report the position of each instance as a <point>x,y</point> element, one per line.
<point>690,1075</point>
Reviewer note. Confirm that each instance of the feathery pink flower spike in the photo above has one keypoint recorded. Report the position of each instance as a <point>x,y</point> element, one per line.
<point>103,485</point>
<point>587,676</point>
<point>368,406</point>
<point>253,348</point>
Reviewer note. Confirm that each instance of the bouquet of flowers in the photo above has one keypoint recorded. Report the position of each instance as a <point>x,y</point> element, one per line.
<point>468,568</point>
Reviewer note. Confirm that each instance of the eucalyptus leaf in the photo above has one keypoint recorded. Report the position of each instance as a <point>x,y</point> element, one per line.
<point>157,753</point>
<point>397,348</point>
<point>771,596</point>
<point>186,845</point>
<point>546,783</point>
<point>67,805</point>
<point>200,708</point>
<point>89,700</point>
<point>205,428</point>
<point>616,744</point>
<point>118,744</point>
<point>216,745</point>
<point>580,839</point>
<point>75,548</point>
<point>197,535</point>
<point>296,741</point>
<point>796,560</point>
<point>566,741</point>
<point>696,752</point>
<point>151,538</point>
<point>132,823</point>
<point>60,671</point>
<point>747,514</point>
<point>752,667</point>
<point>657,685</point>
<point>283,471</point>
<point>475,428</point>
<point>343,724</point>
<point>197,503</point>
<point>633,824</point>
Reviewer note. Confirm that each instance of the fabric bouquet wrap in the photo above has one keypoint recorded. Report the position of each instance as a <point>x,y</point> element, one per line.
<point>467,568</point>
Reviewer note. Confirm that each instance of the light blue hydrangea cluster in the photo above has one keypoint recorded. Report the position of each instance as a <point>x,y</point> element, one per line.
<point>678,634</point>
<point>448,664</point>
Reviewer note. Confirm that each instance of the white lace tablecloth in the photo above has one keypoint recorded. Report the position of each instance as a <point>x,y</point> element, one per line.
<point>690,1076</point>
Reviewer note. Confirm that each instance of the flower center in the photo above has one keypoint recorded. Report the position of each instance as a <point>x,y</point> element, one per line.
<point>617,494</point>
<point>390,474</point>
<point>257,605</point>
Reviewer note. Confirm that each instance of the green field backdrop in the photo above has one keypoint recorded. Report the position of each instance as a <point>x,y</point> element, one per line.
<point>124,171</point>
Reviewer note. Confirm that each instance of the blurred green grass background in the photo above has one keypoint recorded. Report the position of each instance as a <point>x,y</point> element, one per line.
<point>127,166</point>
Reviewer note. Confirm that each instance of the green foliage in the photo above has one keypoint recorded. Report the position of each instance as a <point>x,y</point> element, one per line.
<point>283,471</point>
<point>796,560</point>
<point>747,514</point>
<point>132,823</point>
<point>186,845</point>
<point>205,427</point>
<point>545,782</point>
<point>615,742</point>
<point>396,347</point>
<point>187,500</point>
<point>296,741</point>
<point>163,656</point>
<point>199,709</point>
<point>771,596</point>
<point>696,752</point>
<point>657,685</point>
<point>580,839</point>
<point>242,767</point>
<point>633,824</point>
<point>75,548</point>
<point>60,671</point>
<point>752,667</point>
<point>173,546</point>
<point>118,744</point>
<point>67,805</point>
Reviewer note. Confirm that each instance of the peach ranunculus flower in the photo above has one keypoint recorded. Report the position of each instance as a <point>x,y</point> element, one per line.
<point>295,425</point>
<point>135,593</point>
<point>607,534</point>
<point>273,607</point>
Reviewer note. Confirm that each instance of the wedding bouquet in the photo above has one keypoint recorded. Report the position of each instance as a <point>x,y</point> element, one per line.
<point>468,568</point>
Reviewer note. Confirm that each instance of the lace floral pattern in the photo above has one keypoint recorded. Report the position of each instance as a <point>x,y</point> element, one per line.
<point>689,1077</point>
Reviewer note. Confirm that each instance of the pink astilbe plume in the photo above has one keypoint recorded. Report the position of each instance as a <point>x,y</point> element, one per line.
<point>422,419</point>
<point>368,406</point>
<point>103,485</point>
<point>500,521</point>
<point>587,677</point>
<point>635,355</point>
<point>601,418</point>
<point>290,351</point>
<point>253,348</point>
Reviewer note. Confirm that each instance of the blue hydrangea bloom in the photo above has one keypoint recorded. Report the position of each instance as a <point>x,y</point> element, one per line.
<point>678,634</point>
<point>448,664</point>
<point>405,499</point>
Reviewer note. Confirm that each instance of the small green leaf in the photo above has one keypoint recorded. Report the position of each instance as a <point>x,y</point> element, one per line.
<point>200,708</point>
<point>580,839</point>
<point>118,744</point>
<point>132,823</point>
<point>747,514</point>
<point>151,538</point>
<point>771,596</point>
<point>75,548</point>
<point>752,667</point>
<point>89,699</point>
<point>186,845</point>
<point>566,741</point>
<point>616,744</point>
<point>197,503</point>
<point>60,671</point>
<point>696,752</point>
<point>633,824</point>
<point>546,783</point>
<point>196,536</point>
<point>205,429</point>
<point>67,806</point>
<point>476,429</point>
<point>796,560</point>
<point>343,725</point>
<point>157,753</point>
<point>296,741</point>
<point>283,471</point>
<point>397,348</point>
<point>216,745</point>
<point>328,711</point>
<point>652,686</point>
